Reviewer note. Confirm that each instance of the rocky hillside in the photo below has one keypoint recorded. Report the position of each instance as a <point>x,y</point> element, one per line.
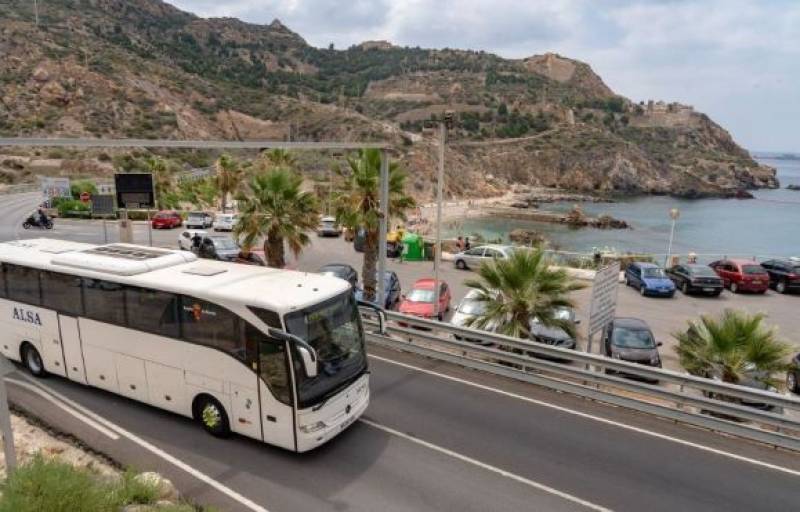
<point>142,68</point>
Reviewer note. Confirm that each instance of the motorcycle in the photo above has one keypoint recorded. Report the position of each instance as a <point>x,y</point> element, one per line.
<point>31,222</point>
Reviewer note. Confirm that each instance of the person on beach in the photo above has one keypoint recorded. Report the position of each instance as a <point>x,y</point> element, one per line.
<point>460,244</point>
<point>467,245</point>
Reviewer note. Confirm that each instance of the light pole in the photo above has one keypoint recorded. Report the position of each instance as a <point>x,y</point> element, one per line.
<point>446,123</point>
<point>674,213</point>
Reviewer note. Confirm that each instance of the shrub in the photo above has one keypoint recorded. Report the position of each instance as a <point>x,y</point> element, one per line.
<point>65,206</point>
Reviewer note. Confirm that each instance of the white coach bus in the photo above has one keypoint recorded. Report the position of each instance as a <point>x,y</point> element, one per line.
<point>271,354</point>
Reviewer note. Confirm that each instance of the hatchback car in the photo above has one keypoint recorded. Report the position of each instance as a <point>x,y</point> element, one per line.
<point>186,238</point>
<point>218,247</point>
<point>342,271</point>
<point>742,275</point>
<point>328,227</point>
<point>468,308</point>
<point>793,375</point>
<point>391,283</point>
<point>420,300</point>
<point>630,339</point>
<point>695,278</point>
<point>225,221</point>
<point>166,220</point>
<point>473,258</point>
<point>784,275</point>
<point>199,220</point>
<point>649,279</point>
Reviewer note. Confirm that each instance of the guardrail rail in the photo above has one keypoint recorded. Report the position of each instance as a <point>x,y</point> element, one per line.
<point>770,418</point>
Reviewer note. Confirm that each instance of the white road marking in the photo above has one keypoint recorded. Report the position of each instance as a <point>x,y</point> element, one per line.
<point>487,467</point>
<point>227,491</point>
<point>599,419</point>
<point>103,430</point>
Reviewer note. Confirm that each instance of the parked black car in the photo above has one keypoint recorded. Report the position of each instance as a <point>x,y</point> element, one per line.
<point>793,375</point>
<point>694,278</point>
<point>342,271</point>
<point>391,284</point>
<point>784,275</point>
<point>630,339</point>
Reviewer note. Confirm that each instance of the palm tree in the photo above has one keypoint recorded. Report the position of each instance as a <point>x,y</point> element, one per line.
<point>733,347</point>
<point>279,158</point>
<point>518,289</point>
<point>275,208</point>
<point>228,178</point>
<point>162,180</point>
<point>357,205</point>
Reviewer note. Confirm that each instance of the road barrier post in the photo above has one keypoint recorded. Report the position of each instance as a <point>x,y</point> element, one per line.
<point>5,418</point>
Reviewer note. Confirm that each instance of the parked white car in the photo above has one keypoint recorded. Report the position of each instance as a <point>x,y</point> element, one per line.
<point>469,308</point>
<point>185,238</point>
<point>225,221</point>
<point>473,258</point>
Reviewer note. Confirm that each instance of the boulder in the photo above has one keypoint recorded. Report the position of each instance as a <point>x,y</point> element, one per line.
<point>793,187</point>
<point>526,236</point>
<point>609,222</point>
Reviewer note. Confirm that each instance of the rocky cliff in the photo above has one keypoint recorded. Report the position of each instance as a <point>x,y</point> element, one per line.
<point>142,68</point>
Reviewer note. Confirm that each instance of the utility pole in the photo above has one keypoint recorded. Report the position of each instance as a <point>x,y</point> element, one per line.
<point>437,247</point>
<point>36,11</point>
<point>674,213</point>
<point>384,227</point>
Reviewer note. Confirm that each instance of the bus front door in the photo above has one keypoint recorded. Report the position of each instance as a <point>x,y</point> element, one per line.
<point>275,393</point>
<point>71,343</point>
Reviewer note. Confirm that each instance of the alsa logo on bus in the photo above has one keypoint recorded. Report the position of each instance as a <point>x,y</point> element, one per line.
<point>30,317</point>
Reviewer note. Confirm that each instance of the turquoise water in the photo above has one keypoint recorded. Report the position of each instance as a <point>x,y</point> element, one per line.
<point>767,225</point>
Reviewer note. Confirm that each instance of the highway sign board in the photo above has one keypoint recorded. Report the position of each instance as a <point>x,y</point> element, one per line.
<point>604,298</point>
<point>135,190</point>
<point>102,204</point>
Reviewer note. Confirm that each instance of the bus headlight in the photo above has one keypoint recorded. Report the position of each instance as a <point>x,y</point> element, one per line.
<point>313,427</point>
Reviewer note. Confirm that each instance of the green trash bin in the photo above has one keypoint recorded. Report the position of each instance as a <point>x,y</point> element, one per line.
<point>412,243</point>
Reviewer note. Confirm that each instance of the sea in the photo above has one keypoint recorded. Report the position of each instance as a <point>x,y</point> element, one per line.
<point>767,226</point>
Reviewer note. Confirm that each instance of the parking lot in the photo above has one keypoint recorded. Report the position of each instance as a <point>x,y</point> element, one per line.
<point>665,316</point>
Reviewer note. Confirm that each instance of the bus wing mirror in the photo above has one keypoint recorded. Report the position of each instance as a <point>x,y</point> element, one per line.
<point>306,351</point>
<point>379,312</point>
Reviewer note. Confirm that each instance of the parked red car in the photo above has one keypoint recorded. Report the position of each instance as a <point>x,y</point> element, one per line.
<point>419,301</point>
<point>167,220</point>
<point>742,275</point>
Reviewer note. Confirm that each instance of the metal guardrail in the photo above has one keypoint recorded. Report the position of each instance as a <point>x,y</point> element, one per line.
<point>707,403</point>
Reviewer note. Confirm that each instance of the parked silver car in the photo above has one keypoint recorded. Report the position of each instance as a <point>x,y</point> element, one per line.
<point>469,308</point>
<point>474,257</point>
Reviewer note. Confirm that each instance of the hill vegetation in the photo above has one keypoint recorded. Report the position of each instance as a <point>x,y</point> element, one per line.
<point>144,69</point>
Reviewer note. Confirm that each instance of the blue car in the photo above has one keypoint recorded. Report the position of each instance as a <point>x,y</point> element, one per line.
<point>391,284</point>
<point>649,279</point>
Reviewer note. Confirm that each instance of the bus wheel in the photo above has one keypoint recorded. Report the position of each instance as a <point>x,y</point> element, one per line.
<point>32,360</point>
<point>211,415</point>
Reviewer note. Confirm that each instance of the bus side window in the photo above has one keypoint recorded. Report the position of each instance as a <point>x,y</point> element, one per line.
<point>3,293</point>
<point>273,367</point>
<point>62,292</point>
<point>152,311</point>
<point>104,301</point>
<point>23,284</point>
<point>212,325</point>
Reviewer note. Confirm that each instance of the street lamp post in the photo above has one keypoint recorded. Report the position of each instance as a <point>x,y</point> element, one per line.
<point>437,247</point>
<point>674,213</point>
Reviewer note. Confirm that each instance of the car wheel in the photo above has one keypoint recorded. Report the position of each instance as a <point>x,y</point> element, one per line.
<point>627,281</point>
<point>685,288</point>
<point>212,416</point>
<point>791,382</point>
<point>642,291</point>
<point>440,317</point>
<point>780,287</point>
<point>460,265</point>
<point>734,288</point>
<point>33,360</point>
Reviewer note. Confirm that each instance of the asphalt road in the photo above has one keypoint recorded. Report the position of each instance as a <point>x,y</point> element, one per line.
<point>436,437</point>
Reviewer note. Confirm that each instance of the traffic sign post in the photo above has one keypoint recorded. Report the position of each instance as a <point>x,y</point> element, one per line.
<point>5,417</point>
<point>604,300</point>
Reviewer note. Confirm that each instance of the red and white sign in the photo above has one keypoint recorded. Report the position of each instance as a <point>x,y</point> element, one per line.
<point>85,197</point>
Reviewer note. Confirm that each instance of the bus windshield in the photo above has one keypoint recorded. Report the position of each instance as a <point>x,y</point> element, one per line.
<point>333,328</point>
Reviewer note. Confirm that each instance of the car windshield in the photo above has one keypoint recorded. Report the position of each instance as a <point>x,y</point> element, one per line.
<point>752,269</point>
<point>334,271</point>
<point>703,272</point>
<point>472,307</point>
<point>224,243</point>
<point>653,272</point>
<point>418,295</point>
<point>333,328</point>
<point>632,338</point>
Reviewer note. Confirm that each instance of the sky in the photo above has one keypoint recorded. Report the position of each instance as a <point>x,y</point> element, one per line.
<point>736,60</point>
